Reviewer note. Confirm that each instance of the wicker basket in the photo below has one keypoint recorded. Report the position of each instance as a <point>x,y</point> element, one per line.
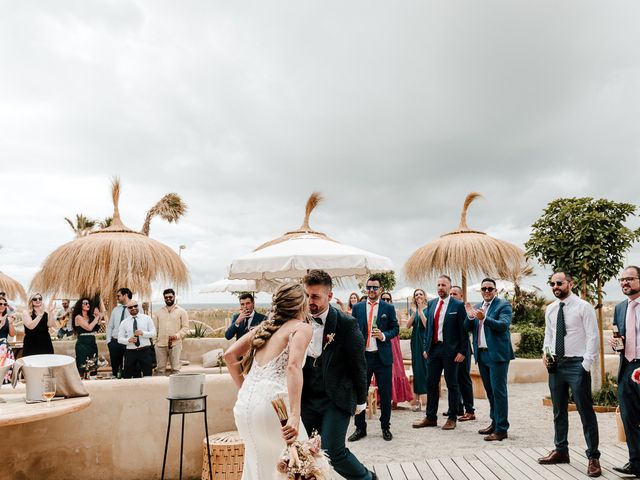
<point>227,456</point>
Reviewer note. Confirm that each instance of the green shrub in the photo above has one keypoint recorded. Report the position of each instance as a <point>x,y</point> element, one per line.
<point>405,333</point>
<point>528,308</point>
<point>608,394</point>
<point>199,331</point>
<point>531,340</point>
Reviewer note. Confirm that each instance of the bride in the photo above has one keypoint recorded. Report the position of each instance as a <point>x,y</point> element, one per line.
<point>264,364</point>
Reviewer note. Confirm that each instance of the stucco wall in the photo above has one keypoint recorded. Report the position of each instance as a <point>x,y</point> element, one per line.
<point>119,436</point>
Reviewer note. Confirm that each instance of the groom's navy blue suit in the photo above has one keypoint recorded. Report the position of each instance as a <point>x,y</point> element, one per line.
<point>334,384</point>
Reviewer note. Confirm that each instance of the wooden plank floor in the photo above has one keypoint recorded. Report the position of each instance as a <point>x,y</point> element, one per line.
<point>505,464</point>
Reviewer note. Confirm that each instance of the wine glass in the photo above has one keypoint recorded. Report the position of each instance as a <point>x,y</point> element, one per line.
<point>48,388</point>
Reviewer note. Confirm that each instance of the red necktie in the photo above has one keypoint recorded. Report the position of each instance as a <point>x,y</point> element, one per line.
<point>436,322</point>
<point>371,307</point>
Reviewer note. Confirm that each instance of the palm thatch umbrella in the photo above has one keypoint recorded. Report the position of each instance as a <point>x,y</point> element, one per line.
<point>296,252</point>
<point>11,287</point>
<point>108,259</point>
<point>464,253</point>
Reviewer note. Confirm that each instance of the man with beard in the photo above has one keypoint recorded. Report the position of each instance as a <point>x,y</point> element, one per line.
<point>172,324</point>
<point>571,332</point>
<point>335,377</point>
<point>627,318</point>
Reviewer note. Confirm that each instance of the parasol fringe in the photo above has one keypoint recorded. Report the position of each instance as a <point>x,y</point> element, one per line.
<point>463,216</point>
<point>312,203</point>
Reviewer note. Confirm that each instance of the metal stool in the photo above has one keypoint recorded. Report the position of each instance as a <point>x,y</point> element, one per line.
<point>184,406</point>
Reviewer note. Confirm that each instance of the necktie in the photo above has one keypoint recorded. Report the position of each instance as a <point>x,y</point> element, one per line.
<point>124,309</point>
<point>436,322</point>
<point>485,307</point>
<point>372,306</point>
<point>630,332</point>
<point>135,327</point>
<point>561,331</point>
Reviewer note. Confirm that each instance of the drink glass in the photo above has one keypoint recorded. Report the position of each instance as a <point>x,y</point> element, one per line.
<point>48,388</point>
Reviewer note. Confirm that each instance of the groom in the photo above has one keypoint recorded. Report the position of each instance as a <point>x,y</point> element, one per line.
<point>335,376</point>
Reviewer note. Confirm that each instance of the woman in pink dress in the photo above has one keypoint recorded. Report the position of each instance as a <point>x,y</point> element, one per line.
<point>400,389</point>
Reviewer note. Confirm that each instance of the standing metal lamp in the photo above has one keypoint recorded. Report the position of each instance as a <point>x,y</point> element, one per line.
<point>184,406</point>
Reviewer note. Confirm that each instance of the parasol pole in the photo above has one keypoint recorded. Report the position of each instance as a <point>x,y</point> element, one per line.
<point>464,286</point>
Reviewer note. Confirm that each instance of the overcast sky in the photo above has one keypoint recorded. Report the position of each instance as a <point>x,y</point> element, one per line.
<point>393,110</point>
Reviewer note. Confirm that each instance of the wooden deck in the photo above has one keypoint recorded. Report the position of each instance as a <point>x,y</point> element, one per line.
<point>505,464</point>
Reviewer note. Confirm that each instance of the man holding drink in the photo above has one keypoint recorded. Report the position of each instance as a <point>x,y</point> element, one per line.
<point>246,319</point>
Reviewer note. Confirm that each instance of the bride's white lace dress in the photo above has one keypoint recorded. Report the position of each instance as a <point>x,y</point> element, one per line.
<point>257,422</point>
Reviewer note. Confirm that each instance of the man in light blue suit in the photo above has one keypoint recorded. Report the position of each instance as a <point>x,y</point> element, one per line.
<point>627,317</point>
<point>489,322</point>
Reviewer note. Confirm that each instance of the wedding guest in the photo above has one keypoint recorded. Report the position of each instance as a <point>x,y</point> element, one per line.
<point>6,330</point>
<point>466,410</point>
<point>418,324</point>
<point>37,322</point>
<point>627,318</point>
<point>118,314</point>
<point>11,308</point>
<point>63,319</point>
<point>400,388</point>
<point>571,332</point>
<point>353,299</point>
<point>246,319</point>
<point>86,324</point>
<point>136,332</point>
<point>172,323</point>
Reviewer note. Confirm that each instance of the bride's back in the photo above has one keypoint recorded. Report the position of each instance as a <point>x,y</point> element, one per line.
<point>275,345</point>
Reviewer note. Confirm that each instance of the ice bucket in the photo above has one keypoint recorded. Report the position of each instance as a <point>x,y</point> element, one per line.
<point>35,366</point>
<point>186,385</point>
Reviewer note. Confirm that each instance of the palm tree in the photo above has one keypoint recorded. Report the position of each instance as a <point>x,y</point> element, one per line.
<point>83,225</point>
<point>106,222</point>
<point>170,208</point>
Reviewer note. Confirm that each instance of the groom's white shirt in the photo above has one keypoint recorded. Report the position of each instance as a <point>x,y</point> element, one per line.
<point>314,350</point>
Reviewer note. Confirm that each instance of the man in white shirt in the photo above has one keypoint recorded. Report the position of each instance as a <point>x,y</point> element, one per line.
<point>118,314</point>
<point>136,332</point>
<point>571,332</point>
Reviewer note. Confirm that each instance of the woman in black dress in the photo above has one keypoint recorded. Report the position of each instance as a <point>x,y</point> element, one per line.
<point>36,327</point>
<point>85,325</point>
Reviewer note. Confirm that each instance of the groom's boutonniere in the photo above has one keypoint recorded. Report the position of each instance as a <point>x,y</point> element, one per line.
<point>328,339</point>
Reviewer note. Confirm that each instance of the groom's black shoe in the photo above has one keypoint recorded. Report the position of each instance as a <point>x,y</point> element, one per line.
<point>627,470</point>
<point>373,476</point>
<point>386,434</point>
<point>357,435</point>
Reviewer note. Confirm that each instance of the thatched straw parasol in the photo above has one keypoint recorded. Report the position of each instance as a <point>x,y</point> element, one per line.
<point>464,253</point>
<point>108,259</point>
<point>11,287</point>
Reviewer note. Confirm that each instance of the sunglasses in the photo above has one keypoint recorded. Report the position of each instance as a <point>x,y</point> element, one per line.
<point>556,284</point>
<point>37,299</point>
<point>487,289</point>
<point>3,304</point>
<point>86,303</point>
<point>169,297</point>
<point>132,307</point>
<point>372,287</point>
<point>386,299</point>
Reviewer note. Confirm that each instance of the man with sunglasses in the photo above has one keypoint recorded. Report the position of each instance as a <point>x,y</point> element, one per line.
<point>172,322</point>
<point>136,332</point>
<point>489,322</point>
<point>627,318</point>
<point>571,332</point>
<point>378,323</point>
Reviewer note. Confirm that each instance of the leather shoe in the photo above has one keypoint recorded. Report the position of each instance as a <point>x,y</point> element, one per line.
<point>593,469</point>
<point>627,470</point>
<point>496,436</point>
<point>386,434</point>
<point>425,422</point>
<point>373,476</point>
<point>449,425</point>
<point>554,458</point>
<point>487,431</point>
<point>466,417</point>
<point>357,435</point>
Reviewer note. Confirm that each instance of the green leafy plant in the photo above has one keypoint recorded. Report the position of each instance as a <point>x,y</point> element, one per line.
<point>199,331</point>
<point>528,308</point>
<point>405,333</point>
<point>531,341</point>
<point>607,395</point>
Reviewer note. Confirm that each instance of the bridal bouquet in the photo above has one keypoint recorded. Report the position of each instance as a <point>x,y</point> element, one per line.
<point>302,460</point>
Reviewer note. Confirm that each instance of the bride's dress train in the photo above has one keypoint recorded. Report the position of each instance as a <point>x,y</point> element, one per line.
<point>257,422</point>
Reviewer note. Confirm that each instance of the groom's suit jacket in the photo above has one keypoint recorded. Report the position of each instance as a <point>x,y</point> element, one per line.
<point>343,364</point>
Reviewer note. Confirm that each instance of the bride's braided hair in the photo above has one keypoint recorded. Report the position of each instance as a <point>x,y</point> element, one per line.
<point>288,300</point>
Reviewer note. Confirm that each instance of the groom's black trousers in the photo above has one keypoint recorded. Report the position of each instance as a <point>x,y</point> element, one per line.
<point>332,423</point>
